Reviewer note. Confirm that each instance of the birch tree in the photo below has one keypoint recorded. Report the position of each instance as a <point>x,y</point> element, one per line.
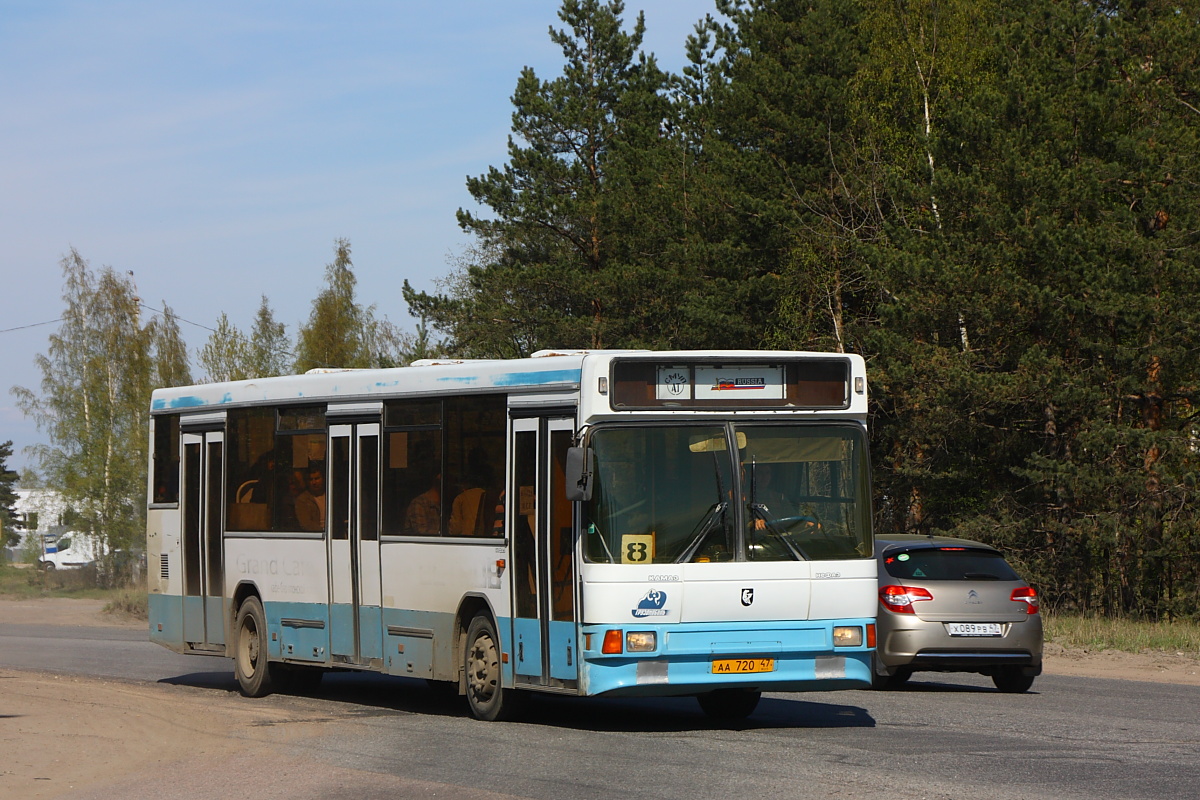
<point>93,403</point>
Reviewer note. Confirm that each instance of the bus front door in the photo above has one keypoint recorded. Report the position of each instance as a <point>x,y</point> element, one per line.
<point>355,618</point>
<point>541,526</point>
<point>203,556</point>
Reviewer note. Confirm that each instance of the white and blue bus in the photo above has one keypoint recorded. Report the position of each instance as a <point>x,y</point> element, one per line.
<point>585,523</point>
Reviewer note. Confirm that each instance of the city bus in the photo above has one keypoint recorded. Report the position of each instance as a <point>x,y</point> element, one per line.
<point>588,523</point>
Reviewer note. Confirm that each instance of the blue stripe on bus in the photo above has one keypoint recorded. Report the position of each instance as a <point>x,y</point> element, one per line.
<point>550,376</point>
<point>189,401</point>
<point>518,378</point>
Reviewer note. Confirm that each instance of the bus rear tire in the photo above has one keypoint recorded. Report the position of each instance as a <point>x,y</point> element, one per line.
<point>486,695</point>
<point>729,705</point>
<point>251,661</point>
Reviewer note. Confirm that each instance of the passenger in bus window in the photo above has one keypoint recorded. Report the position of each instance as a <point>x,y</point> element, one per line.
<point>306,514</point>
<point>316,487</point>
<point>424,514</point>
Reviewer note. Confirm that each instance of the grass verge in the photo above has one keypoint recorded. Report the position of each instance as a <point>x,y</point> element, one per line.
<point>23,582</point>
<point>1129,636</point>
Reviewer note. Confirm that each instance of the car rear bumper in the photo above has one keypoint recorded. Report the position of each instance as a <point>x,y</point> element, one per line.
<point>916,644</point>
<point>981,661</point>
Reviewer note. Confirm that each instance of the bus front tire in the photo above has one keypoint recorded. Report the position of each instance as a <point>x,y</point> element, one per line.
<point>729,705</point>
<point>250,658</point>
<point>486,695</point>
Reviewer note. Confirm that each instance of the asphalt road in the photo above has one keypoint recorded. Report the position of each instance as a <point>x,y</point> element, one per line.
<point>940,737</point>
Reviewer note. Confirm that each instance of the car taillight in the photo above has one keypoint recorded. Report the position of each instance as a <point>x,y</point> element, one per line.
<point>901,598</point>
<point>1027,595</point>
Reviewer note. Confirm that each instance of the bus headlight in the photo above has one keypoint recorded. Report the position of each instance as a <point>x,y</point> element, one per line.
<point>847,636</point>
<point>641,641</point>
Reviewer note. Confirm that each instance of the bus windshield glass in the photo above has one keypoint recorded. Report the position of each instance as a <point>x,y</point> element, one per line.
<point>727,492</point>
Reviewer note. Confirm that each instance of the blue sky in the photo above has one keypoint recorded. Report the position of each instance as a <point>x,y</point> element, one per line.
<point>218,149</point>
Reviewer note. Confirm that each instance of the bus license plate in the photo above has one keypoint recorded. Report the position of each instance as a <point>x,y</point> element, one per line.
<point>729,666</point>
<point>973,628</point>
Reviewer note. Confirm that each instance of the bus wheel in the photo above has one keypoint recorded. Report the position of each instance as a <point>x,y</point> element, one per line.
<point>250,660</point>
<point>729,705</point>
<point>488,698</point>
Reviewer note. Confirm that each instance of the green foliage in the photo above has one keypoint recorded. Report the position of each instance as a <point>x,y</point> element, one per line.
<point>268,345</point>
<point>170,357</point>
<point>226,356</point>
<point>333,336</point>
<point>597,237</point>
<point>997,205</point>
<point>95,391</point>
<point>10,523</point>
<point>1032,379</point>
<point>230,355</point>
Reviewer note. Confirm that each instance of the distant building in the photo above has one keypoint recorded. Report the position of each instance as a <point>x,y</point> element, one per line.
<point>44,513</point>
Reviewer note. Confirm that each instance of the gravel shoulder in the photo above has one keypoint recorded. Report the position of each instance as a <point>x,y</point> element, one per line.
<point>68,736</point>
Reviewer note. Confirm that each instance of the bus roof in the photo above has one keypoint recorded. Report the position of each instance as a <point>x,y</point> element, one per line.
<point>546,371</point>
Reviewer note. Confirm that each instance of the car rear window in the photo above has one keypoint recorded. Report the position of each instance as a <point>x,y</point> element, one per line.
<point>948,564</point>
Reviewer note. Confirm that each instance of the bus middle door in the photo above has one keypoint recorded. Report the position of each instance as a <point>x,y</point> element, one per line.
<point>355,616</point>
<point>542,528</point>
<point>203,553</point>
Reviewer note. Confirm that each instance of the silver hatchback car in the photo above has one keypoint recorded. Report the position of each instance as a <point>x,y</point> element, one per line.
<point>953,605</point>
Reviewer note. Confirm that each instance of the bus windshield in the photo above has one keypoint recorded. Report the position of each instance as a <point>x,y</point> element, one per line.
<point>727,492</point>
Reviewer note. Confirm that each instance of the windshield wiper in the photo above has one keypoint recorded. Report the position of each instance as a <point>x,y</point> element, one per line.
<point>980,576</point>
<point>759,511</point>
<point>706,525</point>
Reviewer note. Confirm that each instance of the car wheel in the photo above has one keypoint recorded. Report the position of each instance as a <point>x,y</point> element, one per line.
<point>1012,680</point>
<point>729,705</point>
<point>882,681</point>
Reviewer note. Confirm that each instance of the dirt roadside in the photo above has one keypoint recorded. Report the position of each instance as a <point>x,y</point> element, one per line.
<point>64,736</point>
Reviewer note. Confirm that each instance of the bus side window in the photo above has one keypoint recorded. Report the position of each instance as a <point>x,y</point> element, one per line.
<point>166,460</point>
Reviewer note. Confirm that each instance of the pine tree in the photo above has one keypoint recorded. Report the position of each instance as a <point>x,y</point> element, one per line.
<point>10,523</point>
<point>574,253</point>
<point>785,172</point>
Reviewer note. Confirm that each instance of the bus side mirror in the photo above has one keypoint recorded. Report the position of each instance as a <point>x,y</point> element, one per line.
<point>578,470</point>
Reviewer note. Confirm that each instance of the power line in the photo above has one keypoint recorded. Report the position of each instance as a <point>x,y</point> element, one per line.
<point>143,305</point>
<point>176,316</point>
<point>34,325</point>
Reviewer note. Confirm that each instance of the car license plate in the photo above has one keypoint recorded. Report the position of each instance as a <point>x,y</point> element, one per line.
<point>973,628</point>
<point>728,666</point>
